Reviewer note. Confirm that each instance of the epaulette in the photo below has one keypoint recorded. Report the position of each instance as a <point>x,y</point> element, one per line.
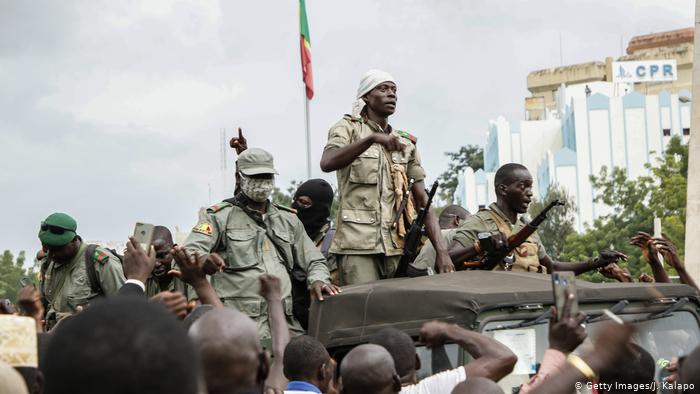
<point>351,118</point>
<point>218,206</point>
<point>101,256</point>
<point>40,255</point>
<point>408,136</point>
<point>287,209</point>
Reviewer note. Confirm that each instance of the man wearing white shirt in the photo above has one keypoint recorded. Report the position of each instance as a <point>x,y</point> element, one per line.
<point>492,359</point>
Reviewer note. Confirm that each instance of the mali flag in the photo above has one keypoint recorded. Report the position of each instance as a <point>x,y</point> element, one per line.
<point>307,75</point>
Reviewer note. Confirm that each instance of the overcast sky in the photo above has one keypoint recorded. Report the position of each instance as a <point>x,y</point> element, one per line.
<point>111,111</point>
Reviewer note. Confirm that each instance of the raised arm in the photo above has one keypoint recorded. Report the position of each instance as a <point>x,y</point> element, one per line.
<point>443,263</point>
<point>643,241</point>
<point>192,272</point>
<point>668,250</point>
<point>271,290</point>
<point>492,359</point>
<point>606,257</point>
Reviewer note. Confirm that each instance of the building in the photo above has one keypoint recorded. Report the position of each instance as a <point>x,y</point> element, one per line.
<point>676,44</point>
<point>589,125</point>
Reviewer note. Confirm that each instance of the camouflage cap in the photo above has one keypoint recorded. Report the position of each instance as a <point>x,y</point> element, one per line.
<point>57,229</point>
<point>254,161</point>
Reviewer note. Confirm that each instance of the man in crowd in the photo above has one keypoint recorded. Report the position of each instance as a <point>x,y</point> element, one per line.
<point>450,219</point>
<point>374,163</point>
<point>492,359</point>
<point>246,236</point>
<point>123,345</point>
<point>513,184</point>
<point>308,366</point>
<point>72,272</point>
<point>369,369</point>
<point>160,280</point>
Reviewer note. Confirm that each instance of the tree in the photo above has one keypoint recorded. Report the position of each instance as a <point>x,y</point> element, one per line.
<point>560,220</point>
<point>11,273</point>
<point>635,203</point>
<point>467,156</point>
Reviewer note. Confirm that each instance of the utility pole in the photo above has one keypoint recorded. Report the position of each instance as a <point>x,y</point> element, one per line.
<point>692,219</point>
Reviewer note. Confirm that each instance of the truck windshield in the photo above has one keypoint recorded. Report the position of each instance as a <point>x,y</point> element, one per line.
<point>663,338</point>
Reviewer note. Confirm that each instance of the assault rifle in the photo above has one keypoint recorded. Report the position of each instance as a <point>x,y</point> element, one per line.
<point>414,234</point>
<point>491,259</point>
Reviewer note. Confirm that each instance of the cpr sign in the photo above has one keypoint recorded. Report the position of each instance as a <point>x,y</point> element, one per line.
<point>645,71</point>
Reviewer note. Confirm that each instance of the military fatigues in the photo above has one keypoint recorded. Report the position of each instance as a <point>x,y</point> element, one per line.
<point>66,287</point>
<point>248,248</point>
<point>367,246</point>
<point>526,257</point>
<point>175,285</point>
<point>426,258</point>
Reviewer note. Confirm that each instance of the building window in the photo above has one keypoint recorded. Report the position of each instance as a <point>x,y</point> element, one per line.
<point>667,132</point>
<point>686,131</point>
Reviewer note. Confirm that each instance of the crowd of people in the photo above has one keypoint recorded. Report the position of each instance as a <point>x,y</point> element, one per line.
<point>228,310</point>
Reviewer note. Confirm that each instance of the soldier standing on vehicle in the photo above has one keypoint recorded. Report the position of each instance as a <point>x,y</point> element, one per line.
<point>247,236</point>
<point>513,184</point>
<point>72,272</point>
<point>373,163</point>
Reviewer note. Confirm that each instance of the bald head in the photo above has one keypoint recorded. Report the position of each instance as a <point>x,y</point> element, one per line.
<point>451,216</point>
<point>229,350</point>
<point>477,385</point>
<point>369,369</point>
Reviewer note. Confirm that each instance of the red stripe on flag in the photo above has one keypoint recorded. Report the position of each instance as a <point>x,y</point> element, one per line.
<point>307,74</point>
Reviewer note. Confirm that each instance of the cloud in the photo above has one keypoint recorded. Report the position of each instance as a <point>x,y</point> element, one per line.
<point>111,111</point>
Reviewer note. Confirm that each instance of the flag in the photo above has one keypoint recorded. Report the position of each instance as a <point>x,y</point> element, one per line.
<point>306,73</point>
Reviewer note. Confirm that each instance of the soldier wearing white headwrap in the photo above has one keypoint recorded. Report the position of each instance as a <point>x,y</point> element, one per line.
<point>373,163</point>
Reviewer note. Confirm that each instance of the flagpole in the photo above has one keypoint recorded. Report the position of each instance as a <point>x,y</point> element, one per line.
<point>308,137</point>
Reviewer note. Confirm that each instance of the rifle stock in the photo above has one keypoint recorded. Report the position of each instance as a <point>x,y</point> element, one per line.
<point>413,236</point>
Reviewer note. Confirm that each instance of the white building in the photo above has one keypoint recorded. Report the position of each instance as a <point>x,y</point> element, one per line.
<point>610,125</point>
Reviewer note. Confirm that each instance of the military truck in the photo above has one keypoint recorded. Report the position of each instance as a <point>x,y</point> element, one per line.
<point>511,307</point>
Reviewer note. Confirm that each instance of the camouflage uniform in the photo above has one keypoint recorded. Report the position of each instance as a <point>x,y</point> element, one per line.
<point>66,287</point>
<point>367,246</point>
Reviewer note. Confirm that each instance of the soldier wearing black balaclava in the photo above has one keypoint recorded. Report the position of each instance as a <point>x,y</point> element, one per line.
<point>312,201</point>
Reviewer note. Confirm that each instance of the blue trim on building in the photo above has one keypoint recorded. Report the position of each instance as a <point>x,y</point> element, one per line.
<point>610,139</point>
<point>590,155</point>
<point>564,157</point>
<point>597,101</point>
<point>480,177</point>
<point>633,100</point>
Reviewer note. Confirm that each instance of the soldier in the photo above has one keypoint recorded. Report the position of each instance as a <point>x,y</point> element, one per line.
<point>160,280</point>
<point>254,237</point>
<point>450,219</point>
<point>312,202</point>
<point>374,163</point>
<point>72,272</point>
<point>513,184</point>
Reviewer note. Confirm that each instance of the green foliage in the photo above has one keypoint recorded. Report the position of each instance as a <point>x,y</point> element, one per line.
<point>560,220</point>
<point>635,203</point>
<point>467,156</point>
<point>11,273</point>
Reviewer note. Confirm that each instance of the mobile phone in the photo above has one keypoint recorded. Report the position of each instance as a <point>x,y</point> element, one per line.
<point>563,286</point>
<point>143,234</point>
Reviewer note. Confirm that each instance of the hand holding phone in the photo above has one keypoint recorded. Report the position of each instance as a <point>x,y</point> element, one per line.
<point>565,298</point>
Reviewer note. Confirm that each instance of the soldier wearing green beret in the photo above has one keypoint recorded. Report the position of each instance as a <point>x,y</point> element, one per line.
<point>72,272</point>
<point>247,236</point>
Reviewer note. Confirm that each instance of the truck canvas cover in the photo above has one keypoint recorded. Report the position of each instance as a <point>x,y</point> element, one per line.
<point>405,304</point>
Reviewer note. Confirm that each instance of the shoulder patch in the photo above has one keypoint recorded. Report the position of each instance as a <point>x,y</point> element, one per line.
<point>101,256</point>
<point>408,136</point>
<point>203,228</point>
<point>218,206</point>
<point>283,208</point>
